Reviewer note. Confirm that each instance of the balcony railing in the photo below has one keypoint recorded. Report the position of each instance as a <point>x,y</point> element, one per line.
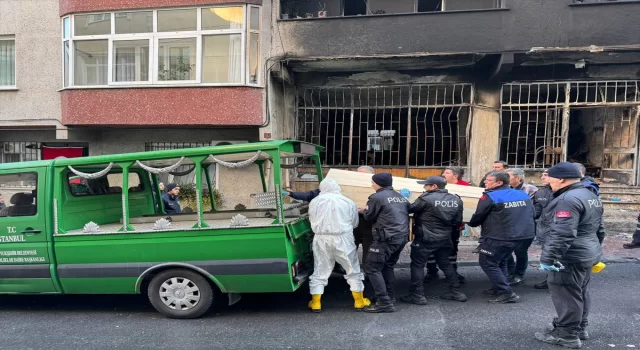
<point>290,9</point>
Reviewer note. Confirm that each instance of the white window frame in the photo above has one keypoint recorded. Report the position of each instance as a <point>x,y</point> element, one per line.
<point>248,48</point>
<point>15,67</point>
<point>154,39</point>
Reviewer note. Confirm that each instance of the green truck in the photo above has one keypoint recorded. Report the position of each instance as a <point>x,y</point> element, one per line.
<point>68,226</point>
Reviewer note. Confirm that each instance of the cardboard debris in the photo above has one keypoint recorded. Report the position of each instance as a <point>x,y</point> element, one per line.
<point>357,187</point>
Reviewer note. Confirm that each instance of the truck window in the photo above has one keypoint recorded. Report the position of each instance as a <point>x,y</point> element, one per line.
<point>18,194</point>
<point>110,184</point>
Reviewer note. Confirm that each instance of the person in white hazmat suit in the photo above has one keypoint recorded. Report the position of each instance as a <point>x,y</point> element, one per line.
<point>333,218</point>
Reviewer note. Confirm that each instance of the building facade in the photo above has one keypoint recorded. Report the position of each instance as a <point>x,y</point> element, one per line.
<point>412,86</point>
<point>90,77</point>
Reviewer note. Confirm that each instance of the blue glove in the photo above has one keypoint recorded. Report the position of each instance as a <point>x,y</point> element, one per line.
<point>285,193</point>
<point>405,192</point>
<point>544,267</point>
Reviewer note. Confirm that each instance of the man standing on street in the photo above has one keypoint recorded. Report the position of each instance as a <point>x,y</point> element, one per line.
<point>541,199</point>
<point>506,216</point>
<point>453,175</point>
<point>170,199</point>
<point>389,212</point>
<point>436,212</point>
<point>572,230</point>
<point>518,266</point>
<point>497,165</point>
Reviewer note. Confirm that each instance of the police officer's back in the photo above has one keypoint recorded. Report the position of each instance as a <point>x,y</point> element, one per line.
<point>436,213</point>
<point>572,230</point>
<point>389,212</point>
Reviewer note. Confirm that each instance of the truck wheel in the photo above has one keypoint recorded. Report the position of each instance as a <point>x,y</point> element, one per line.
<point>180,293</point>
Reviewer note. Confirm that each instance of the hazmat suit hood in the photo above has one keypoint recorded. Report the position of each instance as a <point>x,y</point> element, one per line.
<point>330,186</point>
<point>331,213</point>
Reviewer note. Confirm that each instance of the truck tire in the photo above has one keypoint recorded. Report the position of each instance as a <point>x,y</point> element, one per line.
<point>180,293</point>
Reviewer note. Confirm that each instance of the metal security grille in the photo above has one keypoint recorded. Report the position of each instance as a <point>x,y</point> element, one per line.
<point>394,125</point>
<point>185,179</point>
<point>545,123</point>
<point>20,151</point>
<point>163,146</point>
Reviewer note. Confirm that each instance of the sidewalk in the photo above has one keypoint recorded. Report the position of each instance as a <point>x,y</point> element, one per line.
<point>613,252</point>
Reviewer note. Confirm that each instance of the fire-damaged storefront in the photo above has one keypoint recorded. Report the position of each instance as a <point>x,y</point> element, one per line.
<point>409,130</point>
<point>590,122</point>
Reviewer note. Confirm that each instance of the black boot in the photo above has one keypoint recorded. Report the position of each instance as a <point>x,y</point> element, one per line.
<point>431,277</point>
<point>414,299</point>
<point>380,307</point>
<point>554,338</point>
<point>541,285</point>
<point>454,294</point>
<point>505,299</point>
<point>515,280</point>
<point>582,333</point>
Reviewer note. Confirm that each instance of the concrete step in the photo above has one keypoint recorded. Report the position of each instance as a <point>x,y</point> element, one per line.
<point>622,205</point>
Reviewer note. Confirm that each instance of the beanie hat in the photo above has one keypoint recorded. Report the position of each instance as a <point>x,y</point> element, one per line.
<point>383,179</point>
<point>564,170</point>
<point>170,187</point>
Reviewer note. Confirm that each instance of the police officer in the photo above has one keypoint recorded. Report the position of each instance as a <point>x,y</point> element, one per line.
<point>541,199</point>
<point>506,216</point>
<point>572,230</point>
<point>436,213</point>
<point>389,212</point>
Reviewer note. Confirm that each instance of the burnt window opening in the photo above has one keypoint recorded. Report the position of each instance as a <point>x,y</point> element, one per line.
<point>599,119</point>
<point>397,126</point>
<point>429,5</point>
<point>355,7</point>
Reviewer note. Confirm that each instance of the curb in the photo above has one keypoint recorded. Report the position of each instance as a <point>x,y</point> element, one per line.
<point>471,263</point>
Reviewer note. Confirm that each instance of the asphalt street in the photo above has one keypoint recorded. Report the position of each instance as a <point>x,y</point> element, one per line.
<point>281,321</point>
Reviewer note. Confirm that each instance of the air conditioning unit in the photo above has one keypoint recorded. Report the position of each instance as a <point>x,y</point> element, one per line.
<point>226,143</point>
<point>13,148</point>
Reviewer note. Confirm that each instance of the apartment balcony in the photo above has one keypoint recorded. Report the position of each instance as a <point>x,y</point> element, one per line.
<point>341,28</point>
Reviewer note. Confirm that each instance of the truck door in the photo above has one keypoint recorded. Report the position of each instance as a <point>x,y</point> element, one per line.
<point>24,255</point>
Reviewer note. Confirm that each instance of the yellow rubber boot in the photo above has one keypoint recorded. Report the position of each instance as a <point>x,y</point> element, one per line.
<point>315,305</point>
<point>360,302</point>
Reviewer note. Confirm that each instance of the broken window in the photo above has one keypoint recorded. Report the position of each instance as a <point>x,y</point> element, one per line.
<point>398,126</point>
<point>594,123</point>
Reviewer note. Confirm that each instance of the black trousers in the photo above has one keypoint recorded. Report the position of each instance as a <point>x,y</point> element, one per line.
<point>493,261</point>
<point>379,266</point>
<point>636,235</point>
<point>569,290</point>
<point>432,266</point>
<point>518,266</point>
<point>441,252</point>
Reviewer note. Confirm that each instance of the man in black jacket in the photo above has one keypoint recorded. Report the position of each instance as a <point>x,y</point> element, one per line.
<point>436,213</point>
<point>506,216</point>
<point>389,212</point>
<point>572,230</point>
<point>541,199</point>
